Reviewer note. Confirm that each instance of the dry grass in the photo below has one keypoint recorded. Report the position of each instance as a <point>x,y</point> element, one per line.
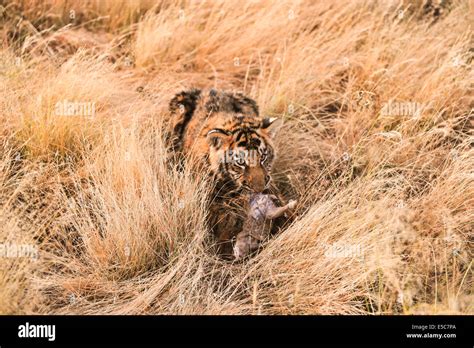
<point>120,231</point>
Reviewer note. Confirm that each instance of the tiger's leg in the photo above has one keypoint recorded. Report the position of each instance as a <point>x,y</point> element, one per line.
<point>224,246</point>
<point>225,226</point>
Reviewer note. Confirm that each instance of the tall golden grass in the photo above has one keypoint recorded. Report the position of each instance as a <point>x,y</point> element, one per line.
<point>121,231</point>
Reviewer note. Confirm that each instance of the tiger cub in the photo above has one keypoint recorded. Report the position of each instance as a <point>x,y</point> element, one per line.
<point>224,132</point>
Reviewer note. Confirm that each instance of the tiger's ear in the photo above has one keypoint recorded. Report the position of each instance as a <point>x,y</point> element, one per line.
<point>272,124</point>
<point>267,122</point>
<point>216,137</point>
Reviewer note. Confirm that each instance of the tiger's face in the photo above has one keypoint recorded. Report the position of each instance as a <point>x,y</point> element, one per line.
<point>243,155</point>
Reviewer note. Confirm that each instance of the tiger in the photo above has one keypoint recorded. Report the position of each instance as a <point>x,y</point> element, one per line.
<point>224,132</point>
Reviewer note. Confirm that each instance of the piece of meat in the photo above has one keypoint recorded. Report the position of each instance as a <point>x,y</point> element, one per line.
<point>257,226</point>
